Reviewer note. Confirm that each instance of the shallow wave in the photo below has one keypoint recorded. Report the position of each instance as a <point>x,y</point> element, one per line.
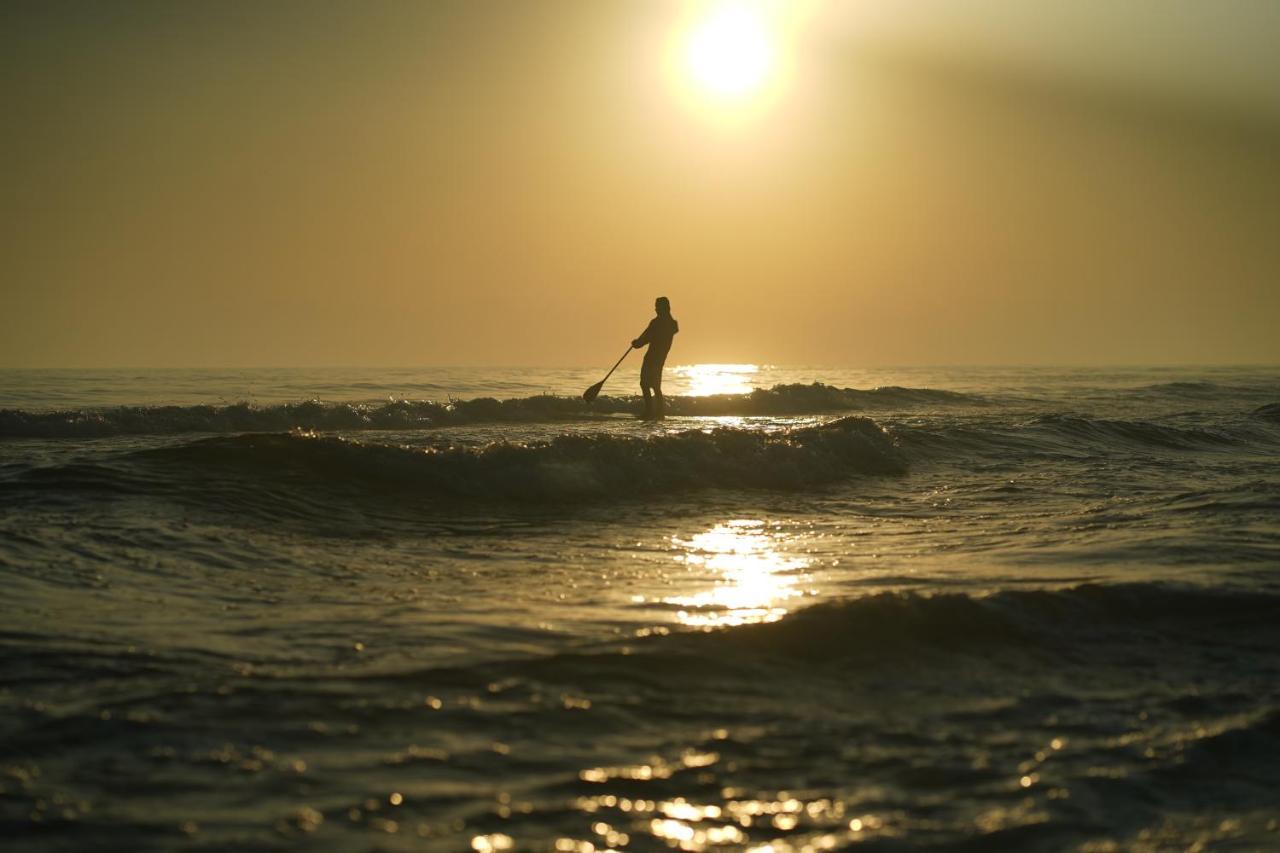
<point>1100,628</point>
<point>1027,619</point>
<point>404,414</point>
<point>1269,412</point>
<point>1189,389</point>
<point>565,468</point>
<point>1150,433</point>
<point>1069,435</point>
<point>1094,625</point>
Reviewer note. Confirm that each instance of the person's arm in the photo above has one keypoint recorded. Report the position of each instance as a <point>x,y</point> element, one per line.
<point>645,336</point>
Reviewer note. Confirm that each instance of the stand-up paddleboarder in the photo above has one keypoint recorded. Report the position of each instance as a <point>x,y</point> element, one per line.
<point>658,335</point>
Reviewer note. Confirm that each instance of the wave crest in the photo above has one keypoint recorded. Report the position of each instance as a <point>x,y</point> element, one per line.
<point>406,415</point>
<point>568,467</point>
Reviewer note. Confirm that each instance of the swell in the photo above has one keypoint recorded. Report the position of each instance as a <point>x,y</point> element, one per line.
<point>404,414</point>
<point>566,468</point>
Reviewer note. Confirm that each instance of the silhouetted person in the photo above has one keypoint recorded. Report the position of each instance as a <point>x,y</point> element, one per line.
<point>658,335</point>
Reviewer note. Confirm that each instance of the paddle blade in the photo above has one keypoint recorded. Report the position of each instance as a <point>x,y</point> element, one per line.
<point>593,392</point>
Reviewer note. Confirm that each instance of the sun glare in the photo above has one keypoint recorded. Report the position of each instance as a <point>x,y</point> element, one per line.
<point>730,53</point>
<point>732,60</point>
<point>703,380</point>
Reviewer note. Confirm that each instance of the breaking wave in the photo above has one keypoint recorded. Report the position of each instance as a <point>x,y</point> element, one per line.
<point>816,398</point>
<point>565,468</point>
<point>613,465</point>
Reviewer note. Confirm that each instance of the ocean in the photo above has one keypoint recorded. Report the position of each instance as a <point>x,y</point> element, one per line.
<point>814,609</point>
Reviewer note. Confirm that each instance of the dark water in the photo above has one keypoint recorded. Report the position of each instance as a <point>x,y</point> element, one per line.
<point>1001,609</point>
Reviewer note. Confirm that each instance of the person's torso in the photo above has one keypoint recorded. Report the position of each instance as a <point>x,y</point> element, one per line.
<point>661,330</point>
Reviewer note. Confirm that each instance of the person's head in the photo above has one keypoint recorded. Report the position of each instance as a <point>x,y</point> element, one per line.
<point>662,305</point>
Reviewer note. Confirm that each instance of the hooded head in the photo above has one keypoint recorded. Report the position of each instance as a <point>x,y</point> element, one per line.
<point>662,305</point>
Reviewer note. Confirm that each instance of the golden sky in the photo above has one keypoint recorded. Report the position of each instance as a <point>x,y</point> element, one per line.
<point>847,183</point>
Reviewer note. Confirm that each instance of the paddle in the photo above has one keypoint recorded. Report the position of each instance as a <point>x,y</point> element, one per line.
<point>594,391</point>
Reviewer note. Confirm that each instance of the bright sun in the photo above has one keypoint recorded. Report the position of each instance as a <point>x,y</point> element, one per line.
<point>729,53</point>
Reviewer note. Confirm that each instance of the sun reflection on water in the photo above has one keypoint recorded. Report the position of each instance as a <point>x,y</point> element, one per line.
<point>820,824</point>
<point>705,379</point>
<point>754,581</point>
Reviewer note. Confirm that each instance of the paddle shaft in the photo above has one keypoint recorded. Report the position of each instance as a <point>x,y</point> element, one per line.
<point>615,367</point>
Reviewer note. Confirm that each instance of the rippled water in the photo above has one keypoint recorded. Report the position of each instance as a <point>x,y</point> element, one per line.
<point>1029,609</point>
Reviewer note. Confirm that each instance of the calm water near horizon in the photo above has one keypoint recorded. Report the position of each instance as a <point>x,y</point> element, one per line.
<point>458,608</point>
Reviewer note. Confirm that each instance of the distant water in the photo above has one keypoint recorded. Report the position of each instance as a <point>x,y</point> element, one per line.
<point>460,609</point>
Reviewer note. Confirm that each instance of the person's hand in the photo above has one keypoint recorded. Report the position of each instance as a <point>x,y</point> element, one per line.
<point>635,344</point>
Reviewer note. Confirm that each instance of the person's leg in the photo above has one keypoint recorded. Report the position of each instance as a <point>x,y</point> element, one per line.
<point>647,385</point>
<point>658,411</point>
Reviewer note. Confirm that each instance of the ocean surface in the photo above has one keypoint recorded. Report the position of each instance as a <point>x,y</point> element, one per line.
<point>814,609</point>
